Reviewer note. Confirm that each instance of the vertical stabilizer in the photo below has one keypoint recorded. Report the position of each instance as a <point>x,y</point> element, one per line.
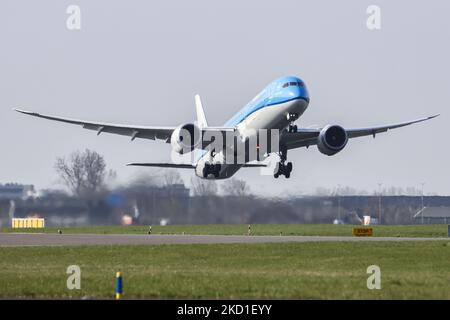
<point>201,119</point>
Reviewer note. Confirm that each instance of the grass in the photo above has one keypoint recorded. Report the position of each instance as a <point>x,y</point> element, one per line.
<point>438,230</point>
<point>409,270</point>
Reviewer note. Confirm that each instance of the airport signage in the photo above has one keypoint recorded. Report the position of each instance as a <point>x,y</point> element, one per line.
<point>19,223</point>
<point>363,232</point>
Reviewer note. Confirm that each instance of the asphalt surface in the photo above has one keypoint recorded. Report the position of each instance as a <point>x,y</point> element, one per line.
<point>41,239</point>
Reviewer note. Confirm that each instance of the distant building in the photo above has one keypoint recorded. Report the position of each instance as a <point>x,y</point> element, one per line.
<point>433,215</point>
<point>15,191</point>
<point>369,220</point>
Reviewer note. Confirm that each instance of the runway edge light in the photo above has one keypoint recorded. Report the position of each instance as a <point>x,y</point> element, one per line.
<point>118,285</point>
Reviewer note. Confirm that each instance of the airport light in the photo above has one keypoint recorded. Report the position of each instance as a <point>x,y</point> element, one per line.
<point>379,202</point>
<point>339,202</point>
<point>119,283</point>
<point>423,183</point>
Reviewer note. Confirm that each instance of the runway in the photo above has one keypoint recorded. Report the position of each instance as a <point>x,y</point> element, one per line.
<point>41,239</point>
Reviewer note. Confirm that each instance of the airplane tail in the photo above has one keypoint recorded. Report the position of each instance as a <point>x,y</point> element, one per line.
<point>201,119</point>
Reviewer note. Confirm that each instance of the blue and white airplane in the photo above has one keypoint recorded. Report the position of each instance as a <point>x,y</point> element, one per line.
<point>277,107</point>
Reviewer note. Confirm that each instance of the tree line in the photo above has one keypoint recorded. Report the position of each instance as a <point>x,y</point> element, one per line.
<point>154,196</point>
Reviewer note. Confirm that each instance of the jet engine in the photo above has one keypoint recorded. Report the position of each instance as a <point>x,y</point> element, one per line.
<point>332,139</point>
<point>186,138</point>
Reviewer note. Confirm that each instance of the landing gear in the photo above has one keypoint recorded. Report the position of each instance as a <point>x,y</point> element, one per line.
<point>292,128</point>
<point>291,118</point>
<point>283,167</point>
<point>211,169</point>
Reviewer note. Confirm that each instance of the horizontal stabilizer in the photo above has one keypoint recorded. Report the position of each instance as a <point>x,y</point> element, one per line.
<point>255,165</point>
<point>186,166</point>
<point>163,165</point>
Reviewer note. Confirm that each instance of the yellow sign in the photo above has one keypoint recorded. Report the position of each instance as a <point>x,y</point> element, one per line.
<point>18,223</point>
<point>363,232</point>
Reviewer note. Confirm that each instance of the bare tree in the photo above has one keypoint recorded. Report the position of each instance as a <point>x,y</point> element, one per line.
<point>322,191</point>
<point>203,187</point>
<point>84,173</point>
<point>146,178</point>
<point>235,187</point>
<point>172,177</point>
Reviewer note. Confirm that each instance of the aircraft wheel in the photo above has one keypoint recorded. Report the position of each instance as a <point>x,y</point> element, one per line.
<point>287,175</point>
<point>276,175</point>
<point>289,167</point>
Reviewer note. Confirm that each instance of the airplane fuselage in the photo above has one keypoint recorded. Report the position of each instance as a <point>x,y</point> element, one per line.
<point>268,110</point>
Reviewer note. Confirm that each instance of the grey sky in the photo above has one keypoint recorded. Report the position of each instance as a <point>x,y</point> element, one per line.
<point>141,62</point>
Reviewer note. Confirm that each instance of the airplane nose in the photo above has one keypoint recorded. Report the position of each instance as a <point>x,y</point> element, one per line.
<point>302,92</point>
<point>296,90</point>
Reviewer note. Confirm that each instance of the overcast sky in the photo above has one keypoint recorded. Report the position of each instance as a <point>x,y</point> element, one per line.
<point>142,62</point>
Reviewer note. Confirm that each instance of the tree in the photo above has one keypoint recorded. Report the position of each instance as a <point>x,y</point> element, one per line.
<point>146,178</point>
<point>235,187</point>
<point>172,177</point>
<point>203,187</point>
<point>84,173</point>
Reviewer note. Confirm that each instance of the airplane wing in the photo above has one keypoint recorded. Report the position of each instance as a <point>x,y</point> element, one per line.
<point>144,132</point>
<point>308,137</point>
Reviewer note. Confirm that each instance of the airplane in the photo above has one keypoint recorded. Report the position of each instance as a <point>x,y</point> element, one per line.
<point>276,107</point>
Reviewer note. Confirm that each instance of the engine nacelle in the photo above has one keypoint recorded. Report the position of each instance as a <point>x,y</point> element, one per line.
<point>186,138</point>
<point>332,139</point>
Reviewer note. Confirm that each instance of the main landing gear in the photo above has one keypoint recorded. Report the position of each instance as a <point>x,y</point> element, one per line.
<point>211,169</point>
<point>291,118</point>
<point>283,167</point>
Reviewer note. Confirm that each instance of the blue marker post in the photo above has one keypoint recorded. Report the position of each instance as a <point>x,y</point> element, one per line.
<point>118,285</point>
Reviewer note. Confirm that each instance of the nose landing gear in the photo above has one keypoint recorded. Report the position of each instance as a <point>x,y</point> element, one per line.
<point>283,167</point>
<point>291,118</point>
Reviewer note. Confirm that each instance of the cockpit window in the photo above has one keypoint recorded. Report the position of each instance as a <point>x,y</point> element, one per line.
<point>299,83</point>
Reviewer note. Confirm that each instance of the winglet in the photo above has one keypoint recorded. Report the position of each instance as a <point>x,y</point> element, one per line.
<point>23,111</point>
<point>201,119</point>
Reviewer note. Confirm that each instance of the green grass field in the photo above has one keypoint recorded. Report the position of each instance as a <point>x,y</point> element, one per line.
<point>409,270</point>
<point>438,230</point>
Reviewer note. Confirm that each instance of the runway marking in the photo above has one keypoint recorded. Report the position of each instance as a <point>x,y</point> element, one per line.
<point>47,239</point>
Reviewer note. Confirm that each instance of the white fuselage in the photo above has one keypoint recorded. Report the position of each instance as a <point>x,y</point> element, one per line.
<point>268,117</point>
